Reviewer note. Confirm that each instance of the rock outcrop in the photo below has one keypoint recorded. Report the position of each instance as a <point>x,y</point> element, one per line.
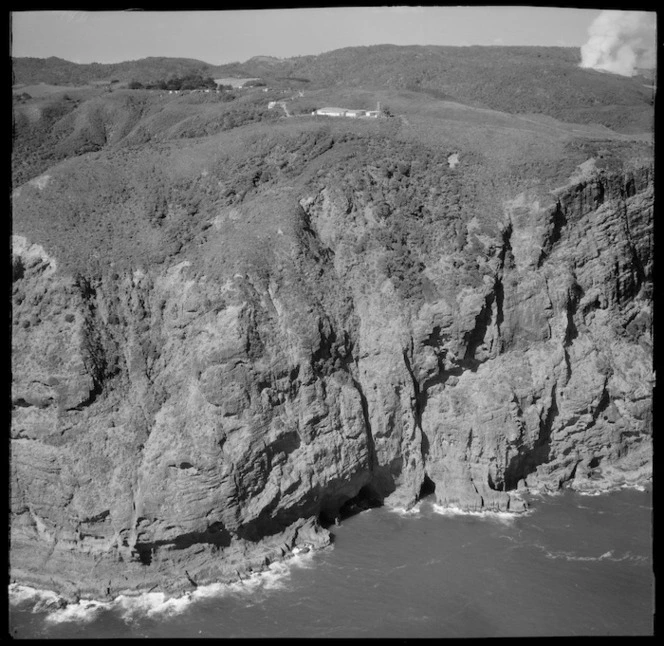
<point>172,426</point>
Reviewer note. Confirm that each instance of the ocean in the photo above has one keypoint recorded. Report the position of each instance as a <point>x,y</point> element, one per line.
<point>573,565</point>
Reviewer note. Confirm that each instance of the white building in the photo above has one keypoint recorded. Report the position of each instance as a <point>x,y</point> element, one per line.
<point>346,112</point>
<point>331,112</point>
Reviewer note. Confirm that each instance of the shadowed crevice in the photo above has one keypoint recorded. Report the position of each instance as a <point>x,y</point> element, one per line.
<point>216,534</point>
<point>528,459</point>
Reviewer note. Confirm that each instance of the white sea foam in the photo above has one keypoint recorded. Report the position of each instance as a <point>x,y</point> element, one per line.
<point>543,492</point>
<point>638,487</point>
<point>81,612</point>
<point>607,556</point>
<point>506,517</point>
<point>152,604</point>
<point>611,489</point>
<point>23,593</point>
<point>302,560</point>
<point>406,513</point>
<point>49,602</point>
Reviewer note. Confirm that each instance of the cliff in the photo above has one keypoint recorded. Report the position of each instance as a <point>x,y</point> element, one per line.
<point>264,338</point>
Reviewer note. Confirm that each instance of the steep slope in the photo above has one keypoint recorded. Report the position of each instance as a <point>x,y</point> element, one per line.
<point>222,343</point>
<point>62,126</point>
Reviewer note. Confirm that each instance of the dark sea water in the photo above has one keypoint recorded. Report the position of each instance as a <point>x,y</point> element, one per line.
<point>575,565</point>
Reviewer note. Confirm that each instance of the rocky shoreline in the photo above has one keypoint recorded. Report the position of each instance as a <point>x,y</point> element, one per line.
<point>172,574</point>
<point>310,538</point>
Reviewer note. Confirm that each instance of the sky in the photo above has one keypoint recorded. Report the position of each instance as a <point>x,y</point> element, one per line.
<point>222,36</point>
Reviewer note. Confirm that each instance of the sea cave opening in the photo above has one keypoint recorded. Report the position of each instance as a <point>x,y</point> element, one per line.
<point>367,498</point>
<point>427,488</point>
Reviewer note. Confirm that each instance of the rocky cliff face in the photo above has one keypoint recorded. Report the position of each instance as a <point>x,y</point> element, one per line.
<point>172,427</point>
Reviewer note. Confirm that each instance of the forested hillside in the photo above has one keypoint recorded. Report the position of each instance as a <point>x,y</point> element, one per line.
<point>57,71</point>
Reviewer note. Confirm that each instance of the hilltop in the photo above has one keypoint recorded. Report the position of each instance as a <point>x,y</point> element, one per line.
<point>57,71</point>
<point>546,80</point>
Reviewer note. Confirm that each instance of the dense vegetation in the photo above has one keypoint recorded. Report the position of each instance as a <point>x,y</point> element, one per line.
<point>34,144</point>
<point>132,204</point>
<point>60,127</point>
<point>543,80</point>
<point>187,82</point>
<point>159,169</point>
<point>512,79</point>
<point>61,72</point>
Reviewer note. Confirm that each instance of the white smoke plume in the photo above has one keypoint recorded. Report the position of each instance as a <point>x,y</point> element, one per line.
<point>620,42</point>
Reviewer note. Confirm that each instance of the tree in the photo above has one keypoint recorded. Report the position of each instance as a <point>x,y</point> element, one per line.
<point>190,83</point>
<point>135,85</point>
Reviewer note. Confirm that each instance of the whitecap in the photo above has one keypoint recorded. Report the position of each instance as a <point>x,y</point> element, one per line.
<point>151,604</point>
<point>606,556</point>
<point>210,591</point>
<point>303,561</point>
<point>569,556</point>
<point>275,577</point>
<point>638,487</point>
<point>406,513</point>
<point>24,593</point>
<point>611,489</point>
<point>634,557</point>
<point>270,579</point>
<point>506,517</point>
<point>81,612</point>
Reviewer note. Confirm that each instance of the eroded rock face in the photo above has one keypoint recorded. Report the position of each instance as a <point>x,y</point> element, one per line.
<point>169,428</point>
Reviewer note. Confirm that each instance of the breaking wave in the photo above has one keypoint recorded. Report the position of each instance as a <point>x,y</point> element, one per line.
<point>611,489</point>
<point>42,599</point>
<point>414,511</point>
<point>506,517</point>
<point>81,612</point>
<point>275,577</point>
<point>151,604</point>
<point>155,604</point>
<point>51,603</point>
